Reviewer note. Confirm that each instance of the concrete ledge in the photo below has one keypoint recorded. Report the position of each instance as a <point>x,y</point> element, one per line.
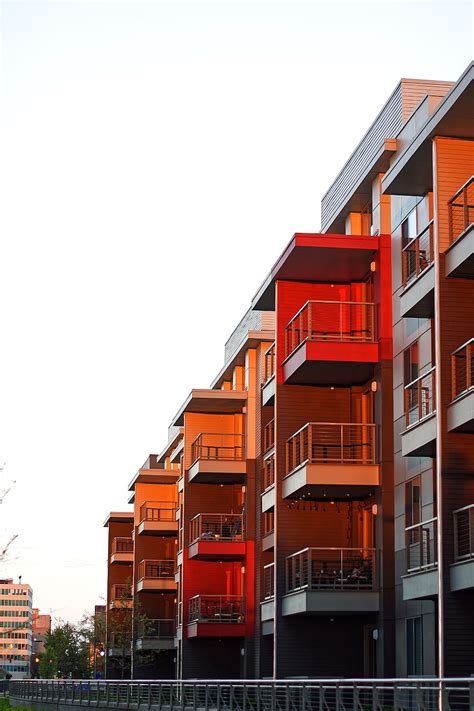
<point>420,586</point>
<point>462,575</point>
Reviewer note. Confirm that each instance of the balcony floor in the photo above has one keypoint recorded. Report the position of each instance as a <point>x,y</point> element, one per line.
<point>268,391</point>
<point>420,586</point>
<point>461,413</point>
<point>320,602</point>
<point>417,298</point>
<point>419,440</point>
<point>159,586</point>
<point>151,644</point>
<point>462,575</point>
<point>214,629</point>
<point>157,528</point>
<point>122,558</point>
<point>207,471</point>
<point>331,363</point>
<point>332,481</point>
<point>460,256</point>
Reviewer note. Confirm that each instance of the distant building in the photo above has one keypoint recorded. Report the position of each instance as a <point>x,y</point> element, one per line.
<point>41,625</point>
<point>16,603</point>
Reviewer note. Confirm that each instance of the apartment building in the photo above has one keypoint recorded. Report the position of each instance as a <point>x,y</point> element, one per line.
<point>324,488</point>
<point>40,627</point>
<point>16,604</point>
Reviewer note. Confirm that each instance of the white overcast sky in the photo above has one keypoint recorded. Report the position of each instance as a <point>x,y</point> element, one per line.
<point>156,158</point>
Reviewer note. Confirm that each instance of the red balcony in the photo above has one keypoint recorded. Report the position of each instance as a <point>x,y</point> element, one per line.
<point>217,537</point>
<point>460,254</point>
<point>218,459</point>
<point>331,343</point>
<point>331,460</point>
<point>216,616</point>
<point>121,597</point>
<point>122,550</point>
<point>158,518</point>
<point>461,409</point>
<point>156,576</point>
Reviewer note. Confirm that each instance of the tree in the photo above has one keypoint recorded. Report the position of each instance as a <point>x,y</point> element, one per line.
<point>65,653</point>
<point>4,491</point>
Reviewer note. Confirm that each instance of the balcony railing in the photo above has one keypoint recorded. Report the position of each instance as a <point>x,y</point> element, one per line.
<point>332,569</point>
<point>121,592</point>
<point>156,629</point>
<point>216,527</point>
<point>421,545</point>
<point>156,569</point>
<point>417,255</point>
<point>269,581</point>
<point>217,609</point>
<point>268,472</point>
<point>420,397</point>
<point>329,442</point>
<point>462,368</point>
<point>340,321</point>
<point>464,533</point>
<point>461,209</point>
<point>158,511</point>
<point>122,545</point>
<point>268,523</point>
<point>269,435</point>
<point>268,364</point>
<point>221,447</point>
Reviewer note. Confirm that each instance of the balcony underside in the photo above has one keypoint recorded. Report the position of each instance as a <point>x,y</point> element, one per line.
<point>268,391</point>
<point>162,585</point>
<point>419,440</point>
<point>122,558</point>
<point>462,575</point>
<point>461,413</point>
<point>155,644</point>
<point>460,256</point>
<point>420,586</point>
<point>332,481</point>
<point>205,471</point>
<point>267,610</point>
<point>318,602</point>
<point>268,498</point>
<point>331,363</point>
<point>215,629</point>
<point>157,528</point>
<point>216,550</point>
<point>417,299</point>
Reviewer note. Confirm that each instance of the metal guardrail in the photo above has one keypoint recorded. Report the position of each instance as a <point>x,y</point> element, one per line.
<point>464,533</point>
<point>216,527</point>
<point>158,511</point>
<point>156,629</point>
<point>268,472</point>
<point>332,569</point>
<point>221,447</point>
<point>269,581</point>
<point>269,364</point>
<point>420,543</point>
<point>122,545</point>
<point>420,397</point>
<point>217,609</point>
<point>156,569</point>
<point>461,210</point>
<point>417,255</point>
<point>413,694</point>
<point>269,436</point>
<point>462,369</point>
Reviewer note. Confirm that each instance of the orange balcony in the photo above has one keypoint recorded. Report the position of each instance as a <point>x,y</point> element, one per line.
<point>460,254</point>
<point>156,576</point>
<point>217,537</point>
<point>121,597</point>
<point>158,518</point>
<point>216,616</point>
<point>461,409</point>
<point>331,343</point>
<point>122,550</point>
<point>419,437</point>
<point>218,459</point>
<point>268,384</point>
<point>331,460</point>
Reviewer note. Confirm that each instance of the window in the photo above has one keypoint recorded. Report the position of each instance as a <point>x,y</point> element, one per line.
<point>409,228</point>
<point>414,646</point>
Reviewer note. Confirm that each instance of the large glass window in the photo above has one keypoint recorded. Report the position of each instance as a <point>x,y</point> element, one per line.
<point>414,646</point>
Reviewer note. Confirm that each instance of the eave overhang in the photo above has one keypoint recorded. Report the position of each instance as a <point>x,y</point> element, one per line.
<point>211,402</point>
<point>119,517</point>
<point>251,340</point>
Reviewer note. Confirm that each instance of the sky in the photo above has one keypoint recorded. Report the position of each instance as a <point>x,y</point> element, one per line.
<point>156,159</point>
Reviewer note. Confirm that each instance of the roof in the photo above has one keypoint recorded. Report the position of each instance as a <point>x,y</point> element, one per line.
<point>218,402</point>
<point>118,517</point>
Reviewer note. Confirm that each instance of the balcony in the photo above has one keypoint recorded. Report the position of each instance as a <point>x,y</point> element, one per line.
<point>119,645</point>
<point>156,635</point>
<point>156,576</point>
<point>461,409</point>
<point>122,551</point>
<point>331,343</point>
<point>216,616</point>
<point>158,518</point>
<point>121,597</point>
<point>421,580</point>
<point>460,253</point>
<point>268,384</point>
<point>267,606</point>
<point>331,580</point>
<point>218,459</point>
<point>333,460</point>
<point>217,537</point>
<point>462,571</point>
<point>417,297</point>
<point>419,438</point>
<point>268,482</point>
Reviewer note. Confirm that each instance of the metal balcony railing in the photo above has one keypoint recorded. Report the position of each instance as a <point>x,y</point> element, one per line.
<point>221,447</point>
<point>420,397</point>
<point>217,609</point>
<point>464,532</point>
<point>461,210</point>
<point>269,364</point>
<point>156,569</point>
<point>330,442</point>
<point>120,640</point>
<point>462,368</point>
<point>269,435</point>
<point>421,545</point>
<point>122,545</point>
<point>268,472</point>
<point>158,511</point>
<point>268,523</point>
<point>156,629</point>
<point>216,527</point>
<point>417,255</point>
<point>332,569</point>
<point>340,321</point>
<point>269,581</point>
<point>121,592</point>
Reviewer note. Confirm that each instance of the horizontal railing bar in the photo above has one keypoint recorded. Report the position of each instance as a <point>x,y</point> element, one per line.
<point>420,377</point>
<point>464,508</point>
<point>460,348</point>
<point>422,523</point>
<point>413,239</point>
<point>328,301</point>
<point>461,189</point>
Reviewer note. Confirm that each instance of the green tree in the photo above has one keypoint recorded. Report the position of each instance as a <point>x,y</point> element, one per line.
<point>65,653</point>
